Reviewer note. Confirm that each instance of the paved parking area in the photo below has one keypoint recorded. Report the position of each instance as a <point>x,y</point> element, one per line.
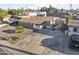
<point>59,42</point>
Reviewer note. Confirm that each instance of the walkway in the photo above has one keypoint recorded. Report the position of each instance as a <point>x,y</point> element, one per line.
<point>8,49</point>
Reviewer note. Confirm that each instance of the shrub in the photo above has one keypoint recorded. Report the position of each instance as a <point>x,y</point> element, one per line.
<point>12,38</point>
<point>19,29</point>
<point>8,38</point>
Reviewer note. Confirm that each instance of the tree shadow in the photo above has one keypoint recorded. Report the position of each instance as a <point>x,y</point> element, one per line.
<point>60,46</point>
<point>2,38</point>
<point>9,31</point>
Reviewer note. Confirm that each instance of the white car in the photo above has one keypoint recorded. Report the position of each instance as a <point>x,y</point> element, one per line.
<point>10,20</point>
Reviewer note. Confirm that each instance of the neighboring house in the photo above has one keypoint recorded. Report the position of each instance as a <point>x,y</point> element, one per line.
<point>73,27</point>
<point>58,14</point>
<point>2,24</point>
<point>37,14</point>
<point>22,16</point>
<point>32,14</point>
<point>42,14</point>
<point>37,22</point>
<point>7,18</point>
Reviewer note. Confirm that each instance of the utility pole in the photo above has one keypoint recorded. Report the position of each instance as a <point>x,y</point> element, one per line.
<point>70,9</point>
<point>38,11</point>
<point>38,8</point>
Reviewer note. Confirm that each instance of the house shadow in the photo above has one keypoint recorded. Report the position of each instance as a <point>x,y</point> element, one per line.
<point>45,31</point>
<point>60,46</point>
<point>24,24</point>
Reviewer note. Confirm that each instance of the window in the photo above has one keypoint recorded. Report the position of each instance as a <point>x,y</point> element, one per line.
<point>74,29</point>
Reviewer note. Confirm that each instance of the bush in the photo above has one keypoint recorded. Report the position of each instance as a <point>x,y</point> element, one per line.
<point>19,29</point>
<point>11,38</point>
<point>8,38</point>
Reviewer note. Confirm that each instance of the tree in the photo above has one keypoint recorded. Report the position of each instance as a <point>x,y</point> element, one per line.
<point>11,12</point>
<point>43,9</point>
<point>3,13</point>
<point>62,9</point>
<point>14,11</point>
<point>49,9</point>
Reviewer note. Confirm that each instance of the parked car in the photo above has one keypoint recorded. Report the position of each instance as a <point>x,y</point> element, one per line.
<point>10,21</point>
<point>74,41</point>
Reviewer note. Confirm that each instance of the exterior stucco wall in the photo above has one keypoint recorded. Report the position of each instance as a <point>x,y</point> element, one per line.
<point>26,24</point>
<point>37,26</point>
<point>70,31</point>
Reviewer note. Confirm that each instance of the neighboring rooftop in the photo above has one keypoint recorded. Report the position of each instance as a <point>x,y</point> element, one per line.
<point>37,19</point>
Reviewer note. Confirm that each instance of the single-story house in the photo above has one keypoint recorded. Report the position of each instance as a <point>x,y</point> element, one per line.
<point>73,27</point>
<point>37,22</point>
<point>37,14</point>
<point>6,18</point>
<point>22,16</point>
<point>30,14</point>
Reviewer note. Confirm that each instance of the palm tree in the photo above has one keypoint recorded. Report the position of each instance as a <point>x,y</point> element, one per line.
<point>68,18</point>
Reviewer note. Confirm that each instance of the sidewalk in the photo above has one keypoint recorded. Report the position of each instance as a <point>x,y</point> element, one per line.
<point>10,49</point>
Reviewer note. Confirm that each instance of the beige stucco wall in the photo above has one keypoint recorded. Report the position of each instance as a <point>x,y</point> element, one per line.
<point>70,31</point>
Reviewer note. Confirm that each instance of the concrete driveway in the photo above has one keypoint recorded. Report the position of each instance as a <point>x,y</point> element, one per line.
<point>59,42</point>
